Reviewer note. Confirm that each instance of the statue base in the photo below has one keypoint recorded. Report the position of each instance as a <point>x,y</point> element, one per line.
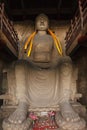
<point>44,122</point>
<point>28,125</point>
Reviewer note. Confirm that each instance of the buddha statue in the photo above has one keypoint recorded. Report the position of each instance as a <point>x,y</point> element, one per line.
<point>44,80</point>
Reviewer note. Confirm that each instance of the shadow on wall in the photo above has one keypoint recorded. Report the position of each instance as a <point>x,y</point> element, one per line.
<point>1,102</point>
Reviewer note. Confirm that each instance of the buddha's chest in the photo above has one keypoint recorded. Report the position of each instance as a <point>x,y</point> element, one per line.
<point>42,44</point>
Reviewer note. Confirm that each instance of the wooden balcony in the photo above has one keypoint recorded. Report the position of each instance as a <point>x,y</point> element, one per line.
<point>78,27</point>
<point>8,36</point>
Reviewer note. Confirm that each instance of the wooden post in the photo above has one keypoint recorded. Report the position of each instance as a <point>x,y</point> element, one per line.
<point>81,14</point>
<point>76,22</point>
<point>71,24</point>
<point>2,13</point>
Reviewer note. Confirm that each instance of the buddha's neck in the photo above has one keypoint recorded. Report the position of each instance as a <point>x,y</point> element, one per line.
<point>42,32</point>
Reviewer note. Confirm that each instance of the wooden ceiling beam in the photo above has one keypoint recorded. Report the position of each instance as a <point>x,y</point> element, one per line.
<point>59,8</point>
<point>22,4</point>
<point>33,11</point>
<point>59,4</point>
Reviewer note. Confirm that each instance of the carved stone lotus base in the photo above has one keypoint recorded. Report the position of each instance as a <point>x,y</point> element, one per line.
<point>28,125</point>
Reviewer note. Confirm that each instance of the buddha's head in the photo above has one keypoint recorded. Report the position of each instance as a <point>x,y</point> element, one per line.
<point>42,22</point>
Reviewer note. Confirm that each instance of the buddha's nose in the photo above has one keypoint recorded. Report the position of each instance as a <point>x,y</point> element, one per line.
<point>42,22</point>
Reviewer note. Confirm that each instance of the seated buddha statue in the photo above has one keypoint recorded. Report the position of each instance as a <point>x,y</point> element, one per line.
<point>44,79</point>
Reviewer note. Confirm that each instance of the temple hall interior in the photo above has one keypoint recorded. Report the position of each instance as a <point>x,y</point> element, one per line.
<point>68,21</point>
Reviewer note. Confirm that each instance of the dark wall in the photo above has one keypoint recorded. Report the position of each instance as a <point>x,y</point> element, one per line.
<point>80,58</point>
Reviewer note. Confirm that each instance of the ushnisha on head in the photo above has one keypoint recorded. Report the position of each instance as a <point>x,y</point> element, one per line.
<point>41,23</point>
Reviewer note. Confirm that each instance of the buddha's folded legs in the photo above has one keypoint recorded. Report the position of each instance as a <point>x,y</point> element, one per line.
<point>66,71</point>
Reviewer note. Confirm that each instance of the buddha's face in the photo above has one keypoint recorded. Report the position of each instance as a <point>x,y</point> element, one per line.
<point>42,23</point>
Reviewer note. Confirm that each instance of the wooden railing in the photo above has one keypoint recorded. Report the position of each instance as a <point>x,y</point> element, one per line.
<point>77,23</point>
<point>6,26</point>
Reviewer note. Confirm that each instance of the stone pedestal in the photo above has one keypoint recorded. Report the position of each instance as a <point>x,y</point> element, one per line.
<point>28,124</point>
